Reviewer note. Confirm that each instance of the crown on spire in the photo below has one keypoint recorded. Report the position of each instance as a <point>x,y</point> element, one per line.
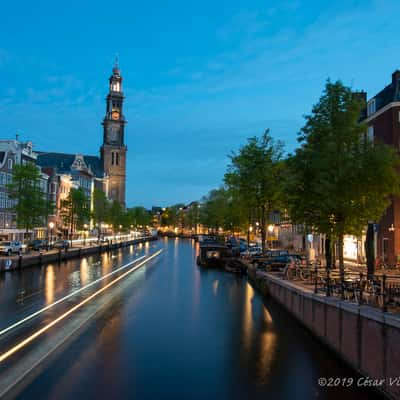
<point>116,70</point>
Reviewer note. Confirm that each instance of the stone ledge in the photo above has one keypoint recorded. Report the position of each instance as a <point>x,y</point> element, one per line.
<point>363,310</point>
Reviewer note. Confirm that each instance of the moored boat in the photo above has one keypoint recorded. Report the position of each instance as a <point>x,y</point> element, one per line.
<point>213,255</point>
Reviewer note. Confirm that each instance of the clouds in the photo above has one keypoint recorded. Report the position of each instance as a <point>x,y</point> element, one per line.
<point>198,80</point>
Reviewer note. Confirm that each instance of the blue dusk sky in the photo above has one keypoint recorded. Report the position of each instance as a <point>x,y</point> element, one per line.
<point>199,77</point>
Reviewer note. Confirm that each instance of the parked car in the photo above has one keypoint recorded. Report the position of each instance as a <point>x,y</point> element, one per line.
<point>252,251</point>
<point>38,244</point>
<point>278,262</point>
<point>235,246</point>
<point>276,253</point>
<point>10,247</point>
<point>61,244</point>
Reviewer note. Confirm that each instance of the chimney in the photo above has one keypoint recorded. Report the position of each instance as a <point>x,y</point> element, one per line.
<point>396,85</point>
<point>360,96</point>
<point>395,76</point>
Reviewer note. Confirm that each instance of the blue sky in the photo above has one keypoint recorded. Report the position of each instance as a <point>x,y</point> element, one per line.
<point>199,77</point>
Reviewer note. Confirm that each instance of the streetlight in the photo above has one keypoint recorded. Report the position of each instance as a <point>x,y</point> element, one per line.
<point>85,226</point>
<point>270,229</point>
<point>51,226</point>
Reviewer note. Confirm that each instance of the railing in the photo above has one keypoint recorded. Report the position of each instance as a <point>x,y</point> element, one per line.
<point>381,291</point>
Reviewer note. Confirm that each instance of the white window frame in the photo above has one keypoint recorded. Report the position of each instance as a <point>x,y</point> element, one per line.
<point>371,107</point>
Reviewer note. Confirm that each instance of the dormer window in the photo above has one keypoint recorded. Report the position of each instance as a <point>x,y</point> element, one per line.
<point>371,107</point>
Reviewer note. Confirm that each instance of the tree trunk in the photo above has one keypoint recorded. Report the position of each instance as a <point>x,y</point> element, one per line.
<point>328,256</point>
<point>263,232</point>
<point>341,262</point>
<point>370,251</point>
<point>248,230</point>
<point>328,252</point>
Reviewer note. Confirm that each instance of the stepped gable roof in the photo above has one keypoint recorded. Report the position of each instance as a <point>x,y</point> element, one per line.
<point>63,162</point>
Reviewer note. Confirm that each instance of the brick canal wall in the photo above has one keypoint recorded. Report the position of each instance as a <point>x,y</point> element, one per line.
<point>40,258</point>
<point>366,338</point>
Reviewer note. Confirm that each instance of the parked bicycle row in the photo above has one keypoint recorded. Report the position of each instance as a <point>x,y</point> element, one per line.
<point>382,291</point>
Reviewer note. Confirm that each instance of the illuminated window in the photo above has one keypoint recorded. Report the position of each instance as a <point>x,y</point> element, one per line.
<point>115,87</point>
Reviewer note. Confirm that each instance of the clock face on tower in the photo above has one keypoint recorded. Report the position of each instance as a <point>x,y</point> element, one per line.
<point>115,115</point>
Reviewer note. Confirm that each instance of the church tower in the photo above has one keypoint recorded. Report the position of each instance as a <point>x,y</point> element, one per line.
<point>113,150</point>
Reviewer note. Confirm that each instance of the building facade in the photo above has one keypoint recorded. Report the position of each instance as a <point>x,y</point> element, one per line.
<point>106,172</point>
<point>15,152</point>
<point>383,120</point>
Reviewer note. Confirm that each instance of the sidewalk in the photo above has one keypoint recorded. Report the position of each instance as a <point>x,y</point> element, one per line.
<point>58,255</point>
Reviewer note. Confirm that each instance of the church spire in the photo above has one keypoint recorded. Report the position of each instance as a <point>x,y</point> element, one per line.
<point>116,70</point>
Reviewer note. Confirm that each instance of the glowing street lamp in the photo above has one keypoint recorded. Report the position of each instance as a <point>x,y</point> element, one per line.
<point>51,226</point>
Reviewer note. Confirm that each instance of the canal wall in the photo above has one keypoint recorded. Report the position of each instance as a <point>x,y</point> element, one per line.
<point>44,257</point>
<point>365,338</point>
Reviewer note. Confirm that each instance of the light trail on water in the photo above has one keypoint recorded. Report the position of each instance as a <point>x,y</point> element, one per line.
<point>32,337</point>
<point>36,313</point>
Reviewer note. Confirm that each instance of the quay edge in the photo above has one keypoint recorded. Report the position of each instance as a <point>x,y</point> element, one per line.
<point>363,337</point>
<point>21,262</point>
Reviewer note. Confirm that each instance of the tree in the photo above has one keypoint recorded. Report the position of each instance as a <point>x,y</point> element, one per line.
<point>138,216</point>
<point>75,210</point>
<point>172,216</point>
<point>115,215</point>
<point>30,202</point>
<point>192,216</point>
<point>220,209</point>
<point>338,180</point>
<point>213,207</point>
<point>254,174</point>
<point>100,209</point>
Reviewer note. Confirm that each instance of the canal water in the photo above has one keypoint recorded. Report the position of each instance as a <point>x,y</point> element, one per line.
<point>178,331</point>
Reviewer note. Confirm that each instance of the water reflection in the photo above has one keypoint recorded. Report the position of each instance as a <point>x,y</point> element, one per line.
<point>215,287</point>
<point>267,350</point>
<point>184,332</point>
<point>49,284</point>
<point>84,272</point>
<point>247,317</point>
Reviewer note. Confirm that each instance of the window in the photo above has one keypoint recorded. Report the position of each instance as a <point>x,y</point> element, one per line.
<point>371,107</point>
<point>112,158</point>
<point>117,158</point>
<point>370,133</point>
<point>9,178</point>
<point>115,87</point>
<point>2,200</point>
<point>10,163</point>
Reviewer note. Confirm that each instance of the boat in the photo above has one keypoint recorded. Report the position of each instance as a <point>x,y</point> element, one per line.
<point>213,254</point>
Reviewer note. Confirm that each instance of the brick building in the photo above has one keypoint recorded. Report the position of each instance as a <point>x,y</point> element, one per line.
<point>383,120</point>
